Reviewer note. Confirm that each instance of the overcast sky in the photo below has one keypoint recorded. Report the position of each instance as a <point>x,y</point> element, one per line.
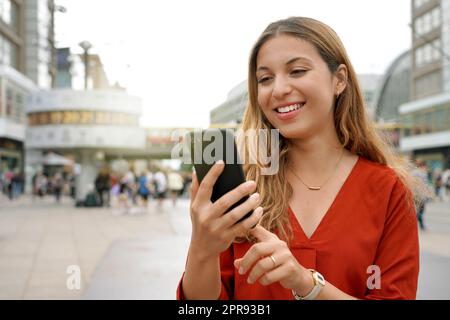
<point>183,57</point>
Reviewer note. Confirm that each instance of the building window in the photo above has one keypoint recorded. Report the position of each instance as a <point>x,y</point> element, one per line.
<point>8,53</point>
<point>428,22</point>
<point>435,119</point>
<point>428,84</point>
<point>420,3</point>
<point>9,13</point>
<point>428,53</point>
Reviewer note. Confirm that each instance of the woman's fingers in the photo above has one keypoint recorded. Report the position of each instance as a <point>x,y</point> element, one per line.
<point>241,228</point>
<point>231,217</point>
<point>274,275</point>
<point>263,266</point>
<point>230,198</point>
<point>254,254</point>
<point>206,186</point>
<point>262,234</point>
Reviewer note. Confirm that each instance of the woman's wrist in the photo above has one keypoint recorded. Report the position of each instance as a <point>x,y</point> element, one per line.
<point>306,283</point>
<point>200,255</point>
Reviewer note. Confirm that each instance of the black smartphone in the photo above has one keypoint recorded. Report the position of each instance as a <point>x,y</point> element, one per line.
<point>210,145</point>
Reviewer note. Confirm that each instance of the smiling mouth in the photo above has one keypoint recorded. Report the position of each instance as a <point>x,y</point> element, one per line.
<point>290,108</point>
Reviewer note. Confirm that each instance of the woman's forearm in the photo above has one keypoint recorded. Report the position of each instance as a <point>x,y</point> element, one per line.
<point>202,277</point>
<point>330,292</point>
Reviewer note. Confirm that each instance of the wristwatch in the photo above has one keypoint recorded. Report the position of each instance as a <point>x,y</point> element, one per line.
<point>319,283</point>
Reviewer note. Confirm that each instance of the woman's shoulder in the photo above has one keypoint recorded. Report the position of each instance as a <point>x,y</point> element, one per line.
<point>374,170</point>
<point>377,177</point>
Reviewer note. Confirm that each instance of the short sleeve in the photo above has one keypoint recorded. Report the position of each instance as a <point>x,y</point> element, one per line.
<point>397,255</point>
<point>226,277</point>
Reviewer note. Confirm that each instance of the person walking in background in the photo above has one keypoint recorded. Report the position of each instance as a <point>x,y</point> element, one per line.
<point>144,190</point>
<point>175,184</point>
<point>446,184</point>
<point>124,195</point>
<point>9,175</point>
<point>160,185</point>
<point>421,173</point>
<point>71,181</point>
<point>17,184</point>
<point>130,182</point>
<point>57,183</point>
<point>102,186</point>
<point>437,181</point>
<point>40,185</point>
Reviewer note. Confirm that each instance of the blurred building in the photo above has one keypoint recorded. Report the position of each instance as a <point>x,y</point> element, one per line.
<point>14,84</point>
<point>393,89</point>
<point>368,83</point>
<point>39,41</point>
<point>70,72</point>
<point>425,119</point>
<point>87,126</point>
<point>232,110</point>
<point>64,71</point>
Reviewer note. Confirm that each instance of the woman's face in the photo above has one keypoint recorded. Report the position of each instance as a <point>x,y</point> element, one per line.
<point>295,87</point>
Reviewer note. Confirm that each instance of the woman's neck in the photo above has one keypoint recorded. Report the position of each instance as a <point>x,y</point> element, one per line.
<point>315,156</point>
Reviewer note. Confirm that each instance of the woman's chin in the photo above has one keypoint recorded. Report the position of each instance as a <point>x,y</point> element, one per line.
<point>293,133</point>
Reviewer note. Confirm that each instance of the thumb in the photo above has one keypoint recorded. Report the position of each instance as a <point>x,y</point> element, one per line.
<point>262,234</point>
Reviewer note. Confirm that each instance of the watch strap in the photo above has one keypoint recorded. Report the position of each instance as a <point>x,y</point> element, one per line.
<point>319,283</point>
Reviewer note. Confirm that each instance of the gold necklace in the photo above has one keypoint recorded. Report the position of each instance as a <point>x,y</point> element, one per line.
<point>318,187</point>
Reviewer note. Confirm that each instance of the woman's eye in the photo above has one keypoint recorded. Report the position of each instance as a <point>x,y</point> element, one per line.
<point>298,71</point>
<point>263,79</point>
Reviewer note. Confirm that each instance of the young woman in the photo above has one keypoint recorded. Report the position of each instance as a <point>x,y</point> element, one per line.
<point>337,221</point>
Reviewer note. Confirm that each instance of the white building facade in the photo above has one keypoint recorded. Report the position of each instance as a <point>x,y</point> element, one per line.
<point>86,125</point>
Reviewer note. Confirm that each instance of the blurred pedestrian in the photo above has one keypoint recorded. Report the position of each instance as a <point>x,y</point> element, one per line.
<point>16,183</point>
<point>102,186</point>
<point>144,190</point>
<point>420,172</point>
<point>160,186</point>
<point>71,182</point>
<point>124,196</point>
<point>57,183</point>
<point>175,185</point>
<point>129,179</point>
<point>9,175</point>
<point>446,184</point>
<point>41,184</point>
<point>437,180</point>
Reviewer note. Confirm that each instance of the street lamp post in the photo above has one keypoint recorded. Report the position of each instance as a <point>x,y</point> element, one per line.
<point>86,45</point>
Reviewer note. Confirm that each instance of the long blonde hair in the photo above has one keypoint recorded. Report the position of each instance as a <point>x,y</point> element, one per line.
<point>355,130</point>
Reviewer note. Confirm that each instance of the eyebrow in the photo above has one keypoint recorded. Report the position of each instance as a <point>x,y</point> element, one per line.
<point>291,61</point>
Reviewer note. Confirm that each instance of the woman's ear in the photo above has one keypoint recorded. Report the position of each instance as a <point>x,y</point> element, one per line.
<point>341,79</point>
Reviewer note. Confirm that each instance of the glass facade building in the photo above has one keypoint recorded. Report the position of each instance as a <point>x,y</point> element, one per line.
<point>394,89</point>
<point>425,120</point>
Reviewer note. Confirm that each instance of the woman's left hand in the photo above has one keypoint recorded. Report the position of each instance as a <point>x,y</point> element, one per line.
<point>270,261</point>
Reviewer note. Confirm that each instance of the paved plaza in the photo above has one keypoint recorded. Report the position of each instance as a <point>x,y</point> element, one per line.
<point>136,255</point>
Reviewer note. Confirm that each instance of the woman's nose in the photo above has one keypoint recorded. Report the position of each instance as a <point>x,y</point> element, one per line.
<point>282,87</point>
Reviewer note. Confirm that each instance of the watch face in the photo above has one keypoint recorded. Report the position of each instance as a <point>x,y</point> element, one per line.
<point>320,278</point>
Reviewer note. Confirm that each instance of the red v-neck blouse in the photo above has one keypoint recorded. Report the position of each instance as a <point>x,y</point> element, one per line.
<point>370,223</point>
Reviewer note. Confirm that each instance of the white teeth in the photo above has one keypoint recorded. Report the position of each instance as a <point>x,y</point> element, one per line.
<point>290,108</point>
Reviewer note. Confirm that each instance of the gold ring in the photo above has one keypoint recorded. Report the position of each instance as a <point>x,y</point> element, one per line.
<point>274,261</point>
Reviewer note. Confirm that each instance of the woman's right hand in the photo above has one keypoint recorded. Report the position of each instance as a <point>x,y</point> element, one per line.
<point>212,230</point>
